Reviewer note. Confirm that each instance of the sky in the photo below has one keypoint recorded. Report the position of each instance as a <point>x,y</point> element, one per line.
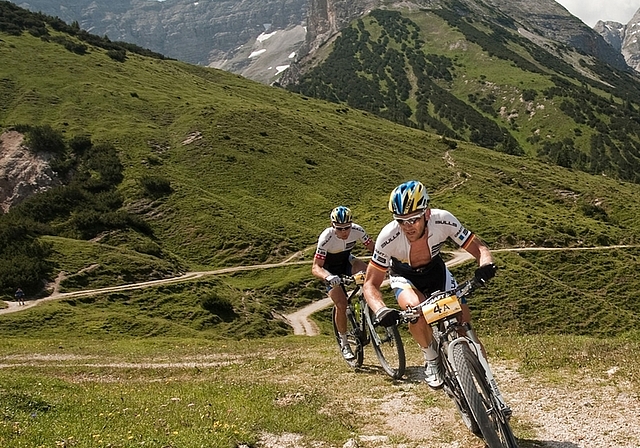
<point>590,11</point>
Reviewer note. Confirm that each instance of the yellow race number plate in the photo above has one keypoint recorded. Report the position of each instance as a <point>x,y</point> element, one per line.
<point>441,309</point>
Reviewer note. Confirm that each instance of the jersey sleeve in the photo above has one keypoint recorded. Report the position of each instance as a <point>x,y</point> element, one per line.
<point>323,240</point>
<point>364,237</point>
<point>381,257</point>
<point>456,231</point>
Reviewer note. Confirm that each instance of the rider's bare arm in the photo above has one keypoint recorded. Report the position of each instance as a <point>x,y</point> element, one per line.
<point>318,270</point>
<point>371,288</point>
<point>480,251</point>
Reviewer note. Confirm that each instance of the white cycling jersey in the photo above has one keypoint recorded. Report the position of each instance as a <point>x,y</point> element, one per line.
<point>329,243</point>
<point>392,246</point>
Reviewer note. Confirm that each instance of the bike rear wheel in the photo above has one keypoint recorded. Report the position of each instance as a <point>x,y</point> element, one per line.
<point>353,337</point>
<point>387,344</point>
<point>479,396</point>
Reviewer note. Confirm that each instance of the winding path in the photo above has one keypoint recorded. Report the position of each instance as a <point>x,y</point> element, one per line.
<point>13,307</point>
<point>299,319</point>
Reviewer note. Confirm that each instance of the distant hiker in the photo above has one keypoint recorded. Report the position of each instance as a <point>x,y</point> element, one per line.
<point>333,258</point>
<point>19,295</point>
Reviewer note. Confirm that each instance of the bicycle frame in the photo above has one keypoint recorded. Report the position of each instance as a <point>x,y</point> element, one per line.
<point>386,341</point>
<point>469,380</point>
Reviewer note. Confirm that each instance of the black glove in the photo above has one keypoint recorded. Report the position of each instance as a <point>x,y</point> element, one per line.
<point>485,273</point>
<point>387,317</point>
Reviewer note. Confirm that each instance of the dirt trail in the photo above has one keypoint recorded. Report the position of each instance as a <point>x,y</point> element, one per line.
<point>13,307</point>
<point>298,320</point>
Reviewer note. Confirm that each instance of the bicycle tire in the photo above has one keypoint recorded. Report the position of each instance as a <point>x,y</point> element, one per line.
<point>499,420</point>
<point>388,346</point>
<point>479,396</point>
<point>353,336</point>
<point>454,391</point>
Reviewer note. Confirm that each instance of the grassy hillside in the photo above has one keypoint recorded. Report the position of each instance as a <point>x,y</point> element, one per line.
<point>254,172</point>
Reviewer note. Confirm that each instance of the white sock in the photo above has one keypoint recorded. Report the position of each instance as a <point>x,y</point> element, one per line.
<point>429,353</point>
<point>343,339</point>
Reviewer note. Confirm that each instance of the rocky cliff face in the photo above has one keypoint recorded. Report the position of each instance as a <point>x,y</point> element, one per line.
<point>261,38</point>
<point>21,172</point>
<point>553,21</point>
<point>623,38</point>
<point>535,19</point>
<point>221,33</point>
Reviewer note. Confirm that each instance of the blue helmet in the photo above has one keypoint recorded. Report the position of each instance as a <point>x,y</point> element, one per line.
<point>341,215</point>
<point>408,197</point>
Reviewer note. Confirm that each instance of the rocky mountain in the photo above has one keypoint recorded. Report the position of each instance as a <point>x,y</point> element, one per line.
<point>259,39</point>
<point>226,34</point>
<point>624,38</point>
<point>544,22</point>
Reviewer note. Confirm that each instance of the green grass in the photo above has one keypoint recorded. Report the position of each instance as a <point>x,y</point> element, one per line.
<point>268,166</point>
<point>190,392</point>
<point>85,262</point>
<point>257,186</point>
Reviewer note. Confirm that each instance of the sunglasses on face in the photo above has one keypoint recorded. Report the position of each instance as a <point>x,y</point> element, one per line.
<point>409,221</point>
<point>342,228</point>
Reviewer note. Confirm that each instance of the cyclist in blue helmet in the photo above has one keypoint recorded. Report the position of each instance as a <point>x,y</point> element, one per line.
<point>409,249</point>
<point>333,258</point>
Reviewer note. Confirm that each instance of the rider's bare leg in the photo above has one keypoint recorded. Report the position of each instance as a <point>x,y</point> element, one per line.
<point>340,301</point>
<point>358,265</point>
<point>420,330</point>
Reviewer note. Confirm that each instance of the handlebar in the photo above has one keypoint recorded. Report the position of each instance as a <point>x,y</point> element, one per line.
<point>462,290</point>
<point>357,278</point>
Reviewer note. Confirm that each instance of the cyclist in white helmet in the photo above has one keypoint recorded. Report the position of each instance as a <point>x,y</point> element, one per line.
<point>409,248</point>
<point>333,258</point>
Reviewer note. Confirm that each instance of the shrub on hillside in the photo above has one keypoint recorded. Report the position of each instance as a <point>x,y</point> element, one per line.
<point>119,55</point>
<point>103,159</point>
<point>220,306</point>
<point>80,144</point>
<point>45,139</point>
<point>156,186</point>
<point>23,258</point>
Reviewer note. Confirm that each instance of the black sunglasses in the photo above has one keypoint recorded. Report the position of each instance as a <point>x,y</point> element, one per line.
<point>342,228</point>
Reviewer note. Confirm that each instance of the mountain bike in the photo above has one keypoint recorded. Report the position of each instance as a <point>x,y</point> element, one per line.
<point>361,331</point>
<point>468,379</point>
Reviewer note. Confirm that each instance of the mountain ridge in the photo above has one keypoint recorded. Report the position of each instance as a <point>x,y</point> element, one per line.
<point>623,38</point>
<point>224,34</point>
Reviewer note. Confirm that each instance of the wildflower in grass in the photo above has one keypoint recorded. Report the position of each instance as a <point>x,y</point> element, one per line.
<point>64,443</point>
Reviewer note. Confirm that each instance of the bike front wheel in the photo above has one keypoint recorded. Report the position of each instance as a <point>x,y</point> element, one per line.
<point>491,421</point>
<point>353,337</point>
<point>387,344</point>
<point>453,390</point>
